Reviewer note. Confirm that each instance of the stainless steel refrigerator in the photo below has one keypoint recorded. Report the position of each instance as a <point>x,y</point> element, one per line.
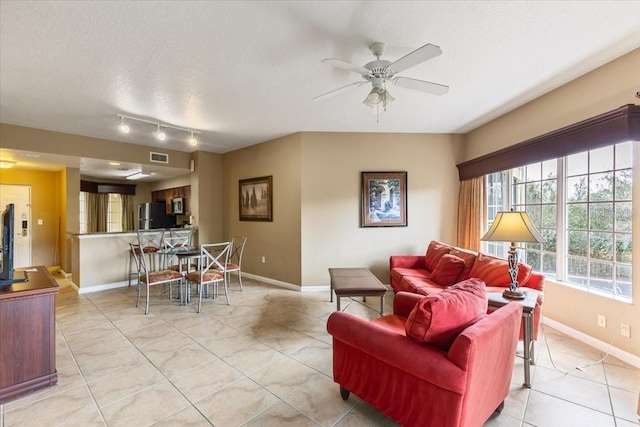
<point>154,215</point>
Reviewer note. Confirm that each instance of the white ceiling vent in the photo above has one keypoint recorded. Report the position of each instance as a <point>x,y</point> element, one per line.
<point>158,157</point>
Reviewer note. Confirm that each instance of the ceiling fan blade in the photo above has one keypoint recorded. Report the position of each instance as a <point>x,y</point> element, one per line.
<point>421,85</point>
<point>419,55</point>
<point>339,63</point>
<point>338,91</point>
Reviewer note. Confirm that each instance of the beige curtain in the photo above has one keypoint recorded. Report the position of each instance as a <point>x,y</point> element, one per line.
<point>97,212</point>
<point>128,213</point>
<point>472,212</point>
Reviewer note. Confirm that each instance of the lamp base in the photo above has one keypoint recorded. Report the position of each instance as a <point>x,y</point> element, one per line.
<point>515,294</point>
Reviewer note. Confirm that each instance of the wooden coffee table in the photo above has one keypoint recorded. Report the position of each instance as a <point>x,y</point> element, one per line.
<point>496,300</point>
<point>356,282</point>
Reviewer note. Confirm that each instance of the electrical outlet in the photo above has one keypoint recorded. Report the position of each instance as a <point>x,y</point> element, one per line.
<point>602,320</point>
<point>264,260</point>
<point>625,330</point>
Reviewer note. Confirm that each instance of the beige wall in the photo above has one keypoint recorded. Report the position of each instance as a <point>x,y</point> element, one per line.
<point>316,201</point>
<point>278,241</point>
<point>602,90</point>
<point>331,199</point>
<point>207,197</point>
<point>46,196</point>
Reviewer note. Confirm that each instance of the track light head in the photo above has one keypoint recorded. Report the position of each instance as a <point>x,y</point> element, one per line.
<point>160,134</point>
<point>192,140</point>
<point>123,127</point>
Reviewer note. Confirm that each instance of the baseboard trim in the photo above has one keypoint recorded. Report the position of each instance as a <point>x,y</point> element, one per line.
<point>629,358</point>
<point>98,288</point>
<point>287,285</point>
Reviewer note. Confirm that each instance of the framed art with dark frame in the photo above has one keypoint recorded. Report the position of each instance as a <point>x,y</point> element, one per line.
<point>384,199</point>
<point>255,197</point>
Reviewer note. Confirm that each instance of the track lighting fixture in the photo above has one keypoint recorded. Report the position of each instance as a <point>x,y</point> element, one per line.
<point>159,133</point>
<point>192,140</point>
<point>124,128</point>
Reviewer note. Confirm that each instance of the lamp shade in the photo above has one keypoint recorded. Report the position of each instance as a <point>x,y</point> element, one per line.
<point>513,227</point>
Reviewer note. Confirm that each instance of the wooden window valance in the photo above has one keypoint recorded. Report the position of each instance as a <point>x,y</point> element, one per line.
<point>619,125</point>
<point>97,187</point>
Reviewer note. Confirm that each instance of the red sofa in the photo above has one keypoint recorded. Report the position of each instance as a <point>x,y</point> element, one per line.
<point>418,384</point>
<point>431,273</point>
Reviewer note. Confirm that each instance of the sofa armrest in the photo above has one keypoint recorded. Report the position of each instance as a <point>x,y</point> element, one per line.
<point>535,281</point>
<point>404,302</point>
<point>407,261</point>
<point>397,350</point>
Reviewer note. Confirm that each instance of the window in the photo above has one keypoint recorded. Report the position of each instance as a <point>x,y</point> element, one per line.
<point>582,205</point>
<point>114,212</point>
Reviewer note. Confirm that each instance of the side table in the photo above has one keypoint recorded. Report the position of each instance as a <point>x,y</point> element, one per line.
<point>496,300</point>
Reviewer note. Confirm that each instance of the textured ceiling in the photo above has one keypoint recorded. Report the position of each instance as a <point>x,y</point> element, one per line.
<point>246,72</point>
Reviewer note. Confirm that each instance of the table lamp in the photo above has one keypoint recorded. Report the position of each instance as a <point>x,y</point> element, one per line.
<point>513,226</point>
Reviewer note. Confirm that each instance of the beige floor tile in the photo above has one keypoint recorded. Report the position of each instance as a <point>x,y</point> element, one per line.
<point>281,415</point>
<point>548,411</point>
<point>146,407</point>
<point>625,404</point>
<point>283,376</point>
<point>624,423</point>
<point>173,363</point>
<point>250,359</point>
<point>591,368</point>
<point>624,378</point>
<point>222,347</point>
<point>582,392</point>
<point>503,420</point>
<point>318,355</point>
<point>236,404</point>
<point>206,379</point>
<point>92,420</point>
<point>95,366</point>
<point>127,381</point>
<point>188,417</point>
<point>57,409</point>
<point>363,415</point>
<point>319,399</point>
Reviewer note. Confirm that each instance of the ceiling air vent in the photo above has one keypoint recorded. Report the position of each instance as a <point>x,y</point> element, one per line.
<point>159,157</point>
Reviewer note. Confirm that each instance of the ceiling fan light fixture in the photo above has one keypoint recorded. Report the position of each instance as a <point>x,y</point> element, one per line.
<point>374,97</point>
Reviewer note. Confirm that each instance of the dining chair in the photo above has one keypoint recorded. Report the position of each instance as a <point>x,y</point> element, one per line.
<point>173,242</point>
<point>150,242</point>
<point>213,259</point>
<point>147,277</point>
<point>235,258</point>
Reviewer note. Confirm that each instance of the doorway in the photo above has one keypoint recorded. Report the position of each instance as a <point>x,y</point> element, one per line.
<point>20,196</point>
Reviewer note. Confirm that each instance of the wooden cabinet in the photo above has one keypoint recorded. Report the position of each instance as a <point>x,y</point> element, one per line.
<point>165,196</point>
<point>27,335</point>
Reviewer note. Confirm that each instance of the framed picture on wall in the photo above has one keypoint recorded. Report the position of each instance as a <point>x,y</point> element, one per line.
<point>384,199</point>
<point>256,199</point>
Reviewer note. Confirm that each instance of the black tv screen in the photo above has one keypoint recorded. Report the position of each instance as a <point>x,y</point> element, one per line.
<point>6,271</point>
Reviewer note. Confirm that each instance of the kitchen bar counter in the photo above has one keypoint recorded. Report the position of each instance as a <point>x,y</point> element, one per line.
<point>100,261</point>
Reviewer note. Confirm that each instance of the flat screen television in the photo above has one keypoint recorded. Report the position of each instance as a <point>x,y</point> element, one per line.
<point>6,275</point>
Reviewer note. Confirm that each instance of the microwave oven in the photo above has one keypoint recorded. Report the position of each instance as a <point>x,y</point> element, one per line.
<point>177,205</point>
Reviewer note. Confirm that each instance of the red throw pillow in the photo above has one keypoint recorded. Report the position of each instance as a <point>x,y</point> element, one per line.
<point>447,270</point>
<point>434,253</point>
<point>439,319</point>
<point>495,271</point>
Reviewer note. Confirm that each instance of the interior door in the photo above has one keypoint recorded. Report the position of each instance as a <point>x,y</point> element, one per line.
<point>20,196</point>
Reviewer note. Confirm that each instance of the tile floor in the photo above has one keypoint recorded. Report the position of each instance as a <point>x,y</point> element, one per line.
<point>265,360</point>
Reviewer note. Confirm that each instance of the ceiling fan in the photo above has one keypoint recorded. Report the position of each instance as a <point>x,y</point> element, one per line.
<point>380,72</point>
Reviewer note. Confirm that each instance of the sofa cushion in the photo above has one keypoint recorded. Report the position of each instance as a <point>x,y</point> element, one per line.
<point>438,319</point>
<point>447,270</point>
<point>435,251</point>
<point>495,271</point>
<point>420,286</point>
<point>469,258</point>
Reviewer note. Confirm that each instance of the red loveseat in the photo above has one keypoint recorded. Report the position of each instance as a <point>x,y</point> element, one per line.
<point>444,265</point>
<point>423,384</point>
